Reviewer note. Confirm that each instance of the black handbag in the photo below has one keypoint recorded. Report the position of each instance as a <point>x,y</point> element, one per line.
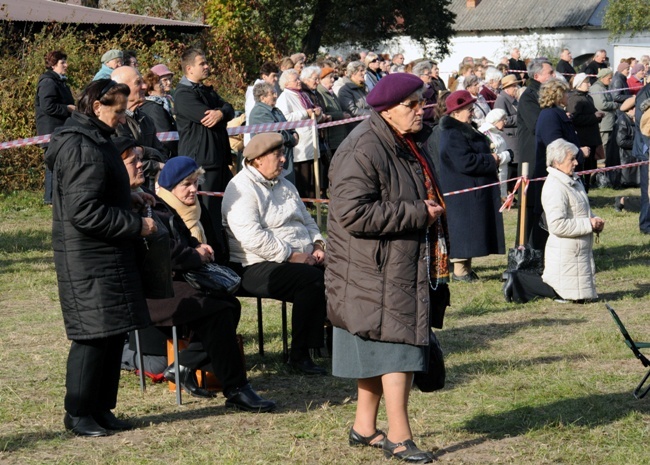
<point>213,279</point>
<point>526,258</point>
<point>434,378</point>
<point>155,263</point>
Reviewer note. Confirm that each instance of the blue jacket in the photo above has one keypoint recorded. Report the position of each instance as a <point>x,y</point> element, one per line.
<point>103,73</point>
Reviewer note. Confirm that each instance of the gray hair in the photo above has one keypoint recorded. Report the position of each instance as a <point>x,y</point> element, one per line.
<point>470,81</point>
<point>308,71</point>
<point>537,66</point>
<point>353,67</point>
<point>557,151</point>
<point>262,90</point>
<point>493,74</point>
<point>284,77</point>
<point>421,68</point>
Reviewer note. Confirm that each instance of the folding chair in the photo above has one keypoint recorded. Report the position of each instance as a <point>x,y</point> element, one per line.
<point>636,347</point>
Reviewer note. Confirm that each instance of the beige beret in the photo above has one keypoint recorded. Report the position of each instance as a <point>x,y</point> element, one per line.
<point>261,144</point>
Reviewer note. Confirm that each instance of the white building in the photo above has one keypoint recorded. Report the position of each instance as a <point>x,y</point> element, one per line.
<point>491,28</point>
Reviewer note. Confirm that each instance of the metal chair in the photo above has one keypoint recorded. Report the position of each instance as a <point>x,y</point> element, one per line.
<point>636,347</point>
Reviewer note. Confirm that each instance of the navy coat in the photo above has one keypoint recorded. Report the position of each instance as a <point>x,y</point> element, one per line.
<point>475,223</point>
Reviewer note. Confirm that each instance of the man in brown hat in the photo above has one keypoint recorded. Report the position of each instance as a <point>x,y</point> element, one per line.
<point>507,101</point>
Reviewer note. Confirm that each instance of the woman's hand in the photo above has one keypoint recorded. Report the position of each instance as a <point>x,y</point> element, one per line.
<point>319,255</point>
<point>586,151</point>
<point>140,199</point>
<point>206,252</point>
<point>148,227</point>
<point>597,224</point>
<point>433,211</point>
<point>299,257</point>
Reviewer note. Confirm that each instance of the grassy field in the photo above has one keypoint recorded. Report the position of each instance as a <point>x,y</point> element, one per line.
<point>542,383</point>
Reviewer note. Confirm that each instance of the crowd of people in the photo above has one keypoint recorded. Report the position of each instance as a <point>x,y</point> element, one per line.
<point>395,240</point>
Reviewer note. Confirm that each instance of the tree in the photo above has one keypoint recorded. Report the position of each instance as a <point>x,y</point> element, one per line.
<point>329,22</point>
<point>627,17</point>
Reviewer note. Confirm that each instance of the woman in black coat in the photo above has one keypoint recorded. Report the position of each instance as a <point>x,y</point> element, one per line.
<point>54,103</point>
<point>586,119</point>
<point>212,318</point>
<point>466,161</point>
<point>553,123</point>
<point>93,235</point>
<point>157,106</point>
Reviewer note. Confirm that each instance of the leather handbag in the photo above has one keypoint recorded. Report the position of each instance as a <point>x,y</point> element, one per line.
<point>212,278</point>
<point>434,378</point>
<point>154,262</point>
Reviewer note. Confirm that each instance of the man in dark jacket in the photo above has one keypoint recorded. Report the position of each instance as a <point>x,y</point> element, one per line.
<point>527,114</point>
<point>598,62</point>
<point>619,83</point>
<point>139,125</point>
<point>201,117</point>
<point>54,103</point>
<point>640,152</point>
<point>515,63</point>
<point>564,66</point>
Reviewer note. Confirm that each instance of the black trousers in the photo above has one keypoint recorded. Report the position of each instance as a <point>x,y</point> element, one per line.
<point>302,284</point>
<point>528,286</point>
<point>93,375</point>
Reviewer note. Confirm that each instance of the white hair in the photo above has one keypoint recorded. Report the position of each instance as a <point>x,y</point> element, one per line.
<point>557,151</point>
<point>493,74</point>
<point>308,71</point>
<point>284,77</point>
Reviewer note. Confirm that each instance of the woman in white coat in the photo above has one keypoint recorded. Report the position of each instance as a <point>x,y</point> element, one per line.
<point>297,106</point>
<point>569,269</point>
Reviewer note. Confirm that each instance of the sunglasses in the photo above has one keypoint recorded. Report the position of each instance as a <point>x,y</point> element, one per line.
<point>413,104</point>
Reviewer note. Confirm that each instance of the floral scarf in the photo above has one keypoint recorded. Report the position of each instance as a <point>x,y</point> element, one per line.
<point>437,234</point>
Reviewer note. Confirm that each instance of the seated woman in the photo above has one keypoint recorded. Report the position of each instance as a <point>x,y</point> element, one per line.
<point>275,244</point>
<point>213,319</point>
<point>568,259</point>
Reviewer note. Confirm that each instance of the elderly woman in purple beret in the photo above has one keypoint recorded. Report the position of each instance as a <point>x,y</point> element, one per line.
<point>387,272</point>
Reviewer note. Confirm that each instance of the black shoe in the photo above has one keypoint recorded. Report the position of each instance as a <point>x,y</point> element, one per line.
<point>107,420</point>
<point>307,366</point>
<point>188,381</point>
<point>245,398</point>
<point>466,278</point>
<point>83,426</point>
<point>355,439</point>
<point>507,288</point>
<point>411,454</point>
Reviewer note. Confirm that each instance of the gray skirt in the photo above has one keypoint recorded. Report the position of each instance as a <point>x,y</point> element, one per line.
<point>355,357</point>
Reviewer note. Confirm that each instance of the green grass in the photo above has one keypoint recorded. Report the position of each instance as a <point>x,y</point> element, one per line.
<point>542,383</point>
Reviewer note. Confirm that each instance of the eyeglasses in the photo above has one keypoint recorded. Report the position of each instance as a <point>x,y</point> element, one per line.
<point>413,104</point>
<point>374,61</point>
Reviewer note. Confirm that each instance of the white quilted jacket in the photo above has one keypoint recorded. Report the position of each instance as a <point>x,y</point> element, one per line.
<point>290,105</point>
<point>265,220</point>
<point>568,261</point>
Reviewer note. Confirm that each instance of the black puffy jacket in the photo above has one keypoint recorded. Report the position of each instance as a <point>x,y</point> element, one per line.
<point>93,232</point>
<point>51,104</point>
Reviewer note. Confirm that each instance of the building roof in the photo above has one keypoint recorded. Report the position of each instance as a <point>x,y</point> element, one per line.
<point>505,15</point>
<point>45,11</point>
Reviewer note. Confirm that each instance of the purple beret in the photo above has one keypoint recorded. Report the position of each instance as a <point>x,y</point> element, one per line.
<point>622,66</point>
<point>393,89</point>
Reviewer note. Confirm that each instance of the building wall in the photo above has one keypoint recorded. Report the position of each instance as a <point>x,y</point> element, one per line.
<point>532,44</point>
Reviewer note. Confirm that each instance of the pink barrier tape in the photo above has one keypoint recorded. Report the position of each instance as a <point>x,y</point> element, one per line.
<point>24,142</point>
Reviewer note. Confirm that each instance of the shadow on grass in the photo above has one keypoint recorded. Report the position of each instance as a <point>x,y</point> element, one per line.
<point>642,290</point>
<point>623,256</point>
<point>14,442</point>
<point>26,240</point>
<point>478,337</point>
<point>590,411</point>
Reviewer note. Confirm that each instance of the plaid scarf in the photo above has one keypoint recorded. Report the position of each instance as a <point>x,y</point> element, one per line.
<point>437,234</point>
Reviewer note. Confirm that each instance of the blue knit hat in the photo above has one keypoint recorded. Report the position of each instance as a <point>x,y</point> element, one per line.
<point>175,170</point>
<point>393,89</point>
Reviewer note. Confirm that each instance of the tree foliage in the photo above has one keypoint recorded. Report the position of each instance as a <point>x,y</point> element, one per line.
<point>627,17</point>
<point>313,23</point>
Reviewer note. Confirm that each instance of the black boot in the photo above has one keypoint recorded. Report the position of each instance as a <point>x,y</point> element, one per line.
<point>83,426</point>
<point>188,381</point>
<point>107,420</point>
<point>245,398</point>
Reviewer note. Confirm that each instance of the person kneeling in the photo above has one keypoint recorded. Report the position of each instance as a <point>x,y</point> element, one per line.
<point>569,269</point>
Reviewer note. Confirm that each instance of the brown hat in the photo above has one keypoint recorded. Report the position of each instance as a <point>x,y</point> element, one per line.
<point>326,71</point>
<point>261,144</point>
<point>509,81</point>
<point>622,66</point>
